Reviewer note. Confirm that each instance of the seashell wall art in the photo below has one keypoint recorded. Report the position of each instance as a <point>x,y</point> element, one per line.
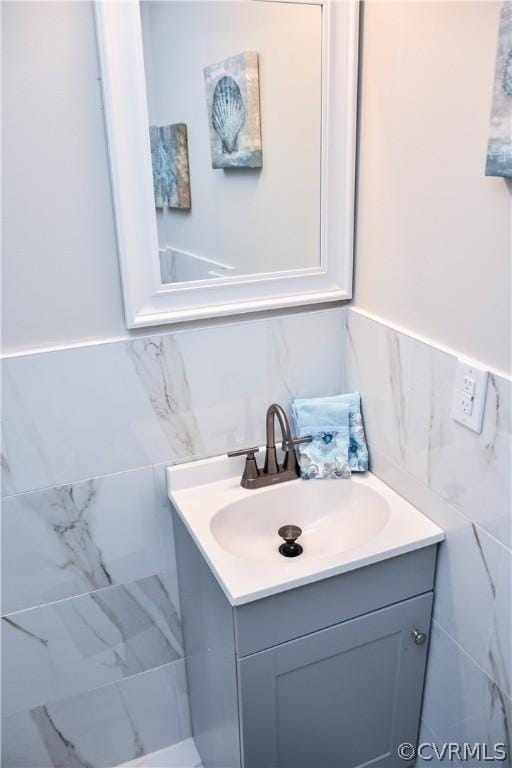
<point>233,101</point>
<point>169,160</point>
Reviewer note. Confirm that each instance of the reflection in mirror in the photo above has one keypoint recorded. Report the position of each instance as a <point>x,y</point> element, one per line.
<point>234,104</point>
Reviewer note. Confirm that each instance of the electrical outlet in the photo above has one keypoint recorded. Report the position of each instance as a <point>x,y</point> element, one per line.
<point>466,403</point>
<point>469,395</point>
<point>469,386</point>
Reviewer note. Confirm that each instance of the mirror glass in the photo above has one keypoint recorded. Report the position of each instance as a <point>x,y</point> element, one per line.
<point>234,93</point>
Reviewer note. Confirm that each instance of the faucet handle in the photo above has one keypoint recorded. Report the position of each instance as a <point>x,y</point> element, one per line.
<point>290,444</point>
<point>251,470</point>
<point>242,452</point>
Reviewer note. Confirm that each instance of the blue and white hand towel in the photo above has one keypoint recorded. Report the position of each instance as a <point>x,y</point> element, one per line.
<point>328,424</point>
<point>358,450</point>
<point>327,410</point>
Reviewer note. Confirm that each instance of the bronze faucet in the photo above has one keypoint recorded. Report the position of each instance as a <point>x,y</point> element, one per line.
<point>272,472</point>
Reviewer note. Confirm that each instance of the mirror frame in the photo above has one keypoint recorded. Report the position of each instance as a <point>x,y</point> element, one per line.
<point>149,302</point>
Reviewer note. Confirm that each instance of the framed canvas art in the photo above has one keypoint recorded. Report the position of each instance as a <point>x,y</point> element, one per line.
<point>233,103</point>
<point>499,149</point>
<point>169,160</point>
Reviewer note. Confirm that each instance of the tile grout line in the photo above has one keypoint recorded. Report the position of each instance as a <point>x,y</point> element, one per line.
<point>116,683</point>
<point>468,655</point>
<point>45,488</point>
<point>424,720</point>
<point>165,463</point>
<point>121,585</point>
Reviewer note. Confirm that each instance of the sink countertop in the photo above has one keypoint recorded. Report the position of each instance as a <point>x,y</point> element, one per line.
<point>376,522</point>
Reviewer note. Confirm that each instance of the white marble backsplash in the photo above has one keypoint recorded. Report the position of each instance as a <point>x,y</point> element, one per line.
<point>462,481</point>
<point>92,667</point>
<point>408,388</point>
<point>87,412</point>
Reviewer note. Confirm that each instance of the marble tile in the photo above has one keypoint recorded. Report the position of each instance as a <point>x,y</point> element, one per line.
<point>379,364</point>
<point>473,470</point>
<point>166,534</point>
<point>475,474</point>
<point>499,653</point>
<point>75,414</point>
<point>147,695</point>
<point>462,481</point>
<point>467,584</point>
<point>426,734</point>
<point>157,399</point>
<point>471,565</point>
<point>7,483</point>
<point>182,755</point>
<point>74,539</point>
<point>227,378</point>
<point>81,673</point>
<point>461,703</point>
<point>79,644</point>
<point>406,389</point>
<point>182,699</point>
<point>100,728</point>
<point>426,741</point>
<point>430,426</point>
<point>159,366</point>
<point>301,360</point>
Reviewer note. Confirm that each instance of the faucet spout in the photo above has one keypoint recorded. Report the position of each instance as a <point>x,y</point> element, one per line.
<point>271,463</point>
<point>273,472</point>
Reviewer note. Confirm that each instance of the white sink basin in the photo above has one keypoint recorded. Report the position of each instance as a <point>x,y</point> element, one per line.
<point>346,524</point>
<point>335,516</point>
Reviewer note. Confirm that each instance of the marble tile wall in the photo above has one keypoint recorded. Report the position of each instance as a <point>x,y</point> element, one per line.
<point>133,717</point>
<point>92,411</point>
<point>76,538</point>
<point>463,482</point>
<point>93,670</point>
<point>177,756</point>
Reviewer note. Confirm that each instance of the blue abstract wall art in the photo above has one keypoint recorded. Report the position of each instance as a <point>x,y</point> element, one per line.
<point>499,150</point>
<point>169,160</point>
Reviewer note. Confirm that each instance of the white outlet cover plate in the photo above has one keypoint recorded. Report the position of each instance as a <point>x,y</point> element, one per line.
<point>479,375</point>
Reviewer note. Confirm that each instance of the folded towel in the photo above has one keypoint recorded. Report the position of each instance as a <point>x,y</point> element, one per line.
<point>358,450</point>
<point>326,406</point>
<point>328,424</point>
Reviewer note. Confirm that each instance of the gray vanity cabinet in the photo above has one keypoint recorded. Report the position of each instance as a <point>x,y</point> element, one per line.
<point>347,695</point>
<point>327,675</point>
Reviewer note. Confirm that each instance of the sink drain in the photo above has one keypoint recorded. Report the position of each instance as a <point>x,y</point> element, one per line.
<point>290,533</point>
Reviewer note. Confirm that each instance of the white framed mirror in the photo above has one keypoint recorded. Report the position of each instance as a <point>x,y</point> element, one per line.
<point>231,128</point>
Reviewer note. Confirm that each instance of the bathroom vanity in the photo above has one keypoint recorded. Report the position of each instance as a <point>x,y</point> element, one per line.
<point>317,660</point>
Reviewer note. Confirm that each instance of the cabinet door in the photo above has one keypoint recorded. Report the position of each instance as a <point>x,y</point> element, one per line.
<point>341,697</point>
